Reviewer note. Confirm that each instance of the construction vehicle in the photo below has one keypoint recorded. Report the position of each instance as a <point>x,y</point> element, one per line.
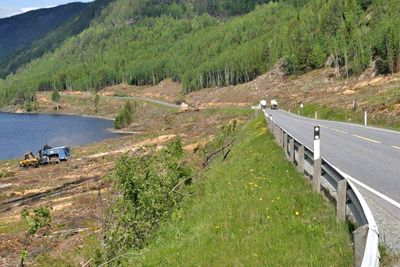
<point>263,104</point>
<point>29,161</point>
<point>274,104</point>
<point>46,155</point>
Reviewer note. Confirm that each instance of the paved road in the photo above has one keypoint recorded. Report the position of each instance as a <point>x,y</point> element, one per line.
<point>370,155</point>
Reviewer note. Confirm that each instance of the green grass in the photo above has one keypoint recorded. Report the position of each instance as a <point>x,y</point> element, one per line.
<point>254,209</point>
<point>14,227</point>
<point>230,111</point>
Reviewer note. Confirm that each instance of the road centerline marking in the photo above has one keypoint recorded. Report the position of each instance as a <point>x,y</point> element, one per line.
<point>339,131</point>
<point>367,139</point>
<point>396,147</point>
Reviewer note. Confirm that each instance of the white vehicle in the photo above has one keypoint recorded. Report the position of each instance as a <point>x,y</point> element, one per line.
<point>274,104</point>
<point>263,104</point>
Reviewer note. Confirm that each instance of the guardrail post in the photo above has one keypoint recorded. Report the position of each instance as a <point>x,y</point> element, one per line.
<point>360,239</point>
<point>291,150</point>
<point>341,201</point>
<point>270,124</point>
<point>300,163</point>
<point>285,145</point>
<point>317,160</point>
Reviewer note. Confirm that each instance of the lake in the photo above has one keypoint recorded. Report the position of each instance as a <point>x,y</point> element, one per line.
<point>21,133</point>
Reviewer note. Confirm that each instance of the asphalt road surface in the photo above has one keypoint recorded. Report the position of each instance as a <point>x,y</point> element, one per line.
<point>370,155</point>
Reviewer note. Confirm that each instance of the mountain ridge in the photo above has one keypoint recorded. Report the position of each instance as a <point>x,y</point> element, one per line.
<point>23,29</point>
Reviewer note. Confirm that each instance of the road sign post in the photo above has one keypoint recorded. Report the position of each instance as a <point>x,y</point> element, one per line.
<point>317,159</point>
<point>365,118</point>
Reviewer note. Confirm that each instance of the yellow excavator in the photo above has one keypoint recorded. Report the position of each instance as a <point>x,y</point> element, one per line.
<point>29,161</point>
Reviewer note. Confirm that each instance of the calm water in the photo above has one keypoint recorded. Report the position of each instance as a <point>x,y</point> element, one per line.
<point>21,133</point>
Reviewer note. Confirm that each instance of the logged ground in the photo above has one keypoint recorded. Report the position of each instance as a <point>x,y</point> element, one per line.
<point>76,191</point>
<point>319,90</point>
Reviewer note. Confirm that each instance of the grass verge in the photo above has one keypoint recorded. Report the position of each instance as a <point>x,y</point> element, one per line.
<point>254,209</point>
<point>336,114</point>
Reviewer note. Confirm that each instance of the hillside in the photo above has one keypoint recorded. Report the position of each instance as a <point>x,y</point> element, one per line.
<point>135,45</point>
<point>22,30</point>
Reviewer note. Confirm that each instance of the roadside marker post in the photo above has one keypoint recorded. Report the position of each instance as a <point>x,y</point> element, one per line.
<point>365,118</point>
<point>317,159</point>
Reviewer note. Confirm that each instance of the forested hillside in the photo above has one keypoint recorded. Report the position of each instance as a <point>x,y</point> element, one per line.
<point>21,30</point>
<point>52,40</point>
<point>215,43</point>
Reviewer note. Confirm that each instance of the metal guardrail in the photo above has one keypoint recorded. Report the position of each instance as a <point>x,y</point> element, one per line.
<point>338,187</point>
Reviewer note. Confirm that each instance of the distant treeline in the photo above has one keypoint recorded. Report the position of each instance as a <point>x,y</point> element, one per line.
<point>201,44</point>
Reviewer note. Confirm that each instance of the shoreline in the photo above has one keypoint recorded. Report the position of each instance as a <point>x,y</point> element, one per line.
<point>119,132</point>
<point>55,114</point>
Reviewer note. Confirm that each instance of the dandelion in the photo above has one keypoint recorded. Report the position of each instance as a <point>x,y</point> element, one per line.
<point>297,213</point>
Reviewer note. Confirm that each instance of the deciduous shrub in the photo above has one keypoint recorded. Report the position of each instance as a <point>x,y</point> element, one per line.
<point>144,193</point>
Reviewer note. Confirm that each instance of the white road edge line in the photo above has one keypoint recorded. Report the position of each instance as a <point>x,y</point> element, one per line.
<point>339,131</point>
<point>373,191</point>
<point>366,139</point>
<point>396,147</point>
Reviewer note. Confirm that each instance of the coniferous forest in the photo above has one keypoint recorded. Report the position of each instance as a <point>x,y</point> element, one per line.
<point>209,43</point>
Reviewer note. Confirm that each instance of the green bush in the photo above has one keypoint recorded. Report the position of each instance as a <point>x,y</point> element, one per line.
<point>125,116</point>
<point>144,193</point>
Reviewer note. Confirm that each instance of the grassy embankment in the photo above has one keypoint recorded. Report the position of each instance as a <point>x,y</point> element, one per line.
<point>253,209</point>
<point>382,110</point>
<point>331,113</point>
